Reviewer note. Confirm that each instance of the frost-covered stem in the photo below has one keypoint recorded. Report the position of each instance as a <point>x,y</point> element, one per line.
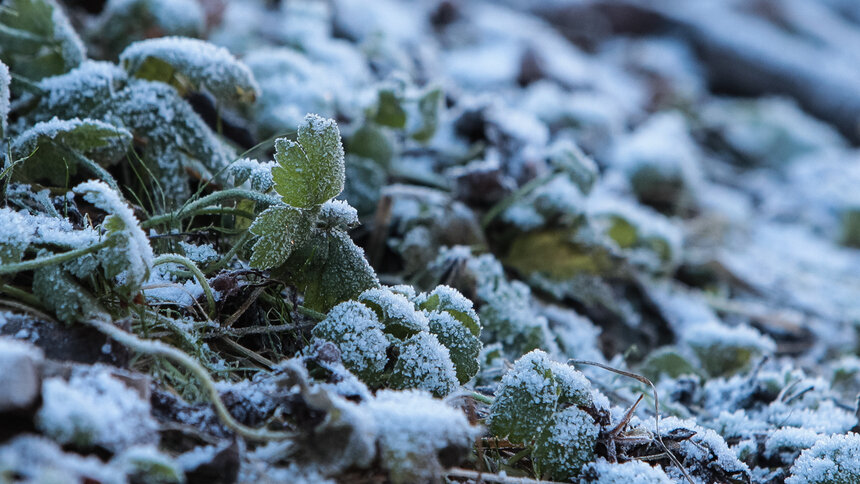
<point>481,398</point>
<point>223,261</point>
<point>211,199</point>
<point>29,265</point>
<point>20,295</point>
<point>157,348</point>
<point>487,477</point>
<point>198,274</point>
<point>95,168</point>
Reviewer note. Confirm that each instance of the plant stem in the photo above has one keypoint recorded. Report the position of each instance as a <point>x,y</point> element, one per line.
<point>212,198</point>
<point>223,261</point>
<point>198,274</point>
<point>481,398</point>
<point>28,265</point>
<point>157,348</point>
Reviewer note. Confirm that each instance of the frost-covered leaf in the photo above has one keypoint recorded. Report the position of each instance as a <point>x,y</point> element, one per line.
<point>176,139</point>
<point>310,170</point>
<point>280,230</point>
<point>464,347</point>
<point>93,408</point>
<point>397,314</point>
<point>50,148</point>
<point>62,295</point>
<point>337,214</point>
<point>353,327</point>
<point>259,174</point>
<point>601,471</point>
<point>419,436</point>
<point>565,444</point>
<point>124,21</point>
<point>832,460</point>
<point>581,169</point>
<point>76,93</point>
<point>36,39</point>
<point>724,350</point>
<point>526,399</point>
<point>189,65</point>
<point>129,258</point>
<point>449,300</point>
<point>425,364</point>
<point>331,269</point>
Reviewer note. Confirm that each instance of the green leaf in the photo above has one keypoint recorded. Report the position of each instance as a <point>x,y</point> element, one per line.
<point>189,65</point>
<point>332,269</point>
<point>310,171</point>
<point>280,229</point>
<point>389,112</point>
<point>36,39</point>
<point>429,106</point>
<point>371,141</point>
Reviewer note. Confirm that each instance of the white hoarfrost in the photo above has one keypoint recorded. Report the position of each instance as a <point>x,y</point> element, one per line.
<point>93,408</point>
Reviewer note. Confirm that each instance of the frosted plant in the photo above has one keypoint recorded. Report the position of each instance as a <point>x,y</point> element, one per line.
<point>259,174</point>
<point>63,295</point>
<point>49,147</point>
<point>649,239</point>
<point>397,314</point>
<point>305,232</point>
<point>79,91</point>
<point>95,409</point>
<point>463,346</point>
<point>355,329</point>
<point>530,394</point>
<point>129,256</point>
<point>565,444</point>
<point>449,300</point>
<point>124,21</point>
<point>425,364</point>
<point>177,139</point>
<point>725,350</point>
<point>37,40</point>
<point>661,162</point>
<point>601,471</point>
<point>416,432</point>
<point>191,64</point>
<point>832,460</point>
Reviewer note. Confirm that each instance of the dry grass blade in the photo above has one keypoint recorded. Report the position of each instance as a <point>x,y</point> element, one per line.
<point>656,407</point>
